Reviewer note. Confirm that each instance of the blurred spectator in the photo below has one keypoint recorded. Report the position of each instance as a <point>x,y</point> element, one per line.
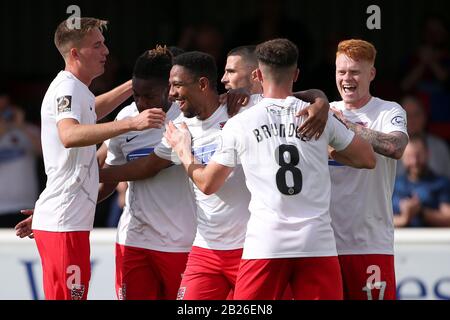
<point>439,153</point>
<point>272,21</point>
<point>421,198</point>
<point>203,37</point>
<point>19,145</point>
<point>427,74</point>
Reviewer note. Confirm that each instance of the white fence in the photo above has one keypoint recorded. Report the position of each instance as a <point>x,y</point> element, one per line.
<point>422,265</point>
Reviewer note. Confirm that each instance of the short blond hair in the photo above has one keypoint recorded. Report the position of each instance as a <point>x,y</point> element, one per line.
<point>357,49</point>
<point>67,37</point>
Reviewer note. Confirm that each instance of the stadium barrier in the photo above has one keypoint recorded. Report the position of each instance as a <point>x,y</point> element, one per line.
<point>422,265</point>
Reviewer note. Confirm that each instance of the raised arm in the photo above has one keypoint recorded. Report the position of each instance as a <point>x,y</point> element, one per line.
<point>107,102</point>
<point>209,179</point>
<point>317,113</point>
<point>73,134</point>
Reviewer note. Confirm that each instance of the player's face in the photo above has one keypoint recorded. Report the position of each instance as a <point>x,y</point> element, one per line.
<point>415,158</point>
<point>238,75</point>
<point>185,90</point>
<point>93,52</point>
<point>149,93</point>
<point>353,80</point>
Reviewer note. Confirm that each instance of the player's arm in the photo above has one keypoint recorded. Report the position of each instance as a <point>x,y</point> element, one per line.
<point>73,134</point>
<point>107,102</point>
<point>105,190</point>
<point>391,145</point>
<point>208,178</point>
<point>317,113</point>
<point>138,169</point>
<point>358,154</point>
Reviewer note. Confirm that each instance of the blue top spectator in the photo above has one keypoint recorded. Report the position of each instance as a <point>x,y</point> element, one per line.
<point>421,198</point>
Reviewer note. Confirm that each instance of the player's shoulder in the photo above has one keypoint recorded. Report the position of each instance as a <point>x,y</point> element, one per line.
<point>339,105</point>
<point>386,105</point>
<point>128,111</point>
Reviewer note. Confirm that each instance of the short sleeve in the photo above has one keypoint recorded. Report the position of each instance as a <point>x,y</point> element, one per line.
<point>394,120</point>
<point>339,135</point>
<point>115,156</point>
<point>68,102</point>
<point>227,152</point>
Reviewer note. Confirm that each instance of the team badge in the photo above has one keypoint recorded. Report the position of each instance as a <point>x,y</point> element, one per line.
<point>399,121</point>
<point>222,124</point>
<point>64,104</point>
<point>77,292</point>
<point>181,293</point>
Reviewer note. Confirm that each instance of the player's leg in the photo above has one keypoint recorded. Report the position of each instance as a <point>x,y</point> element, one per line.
<point>368,277</point>
<point>230,260</point>
<point>66,265</point>
<point>203,278</point>
<point>317,278</point>
<point>135,277</point>
<point>262,279</point>
<point>170,268</point>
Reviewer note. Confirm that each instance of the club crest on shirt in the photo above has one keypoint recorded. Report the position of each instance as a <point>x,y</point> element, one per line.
<point>399,121</point>
<point>181,293</point>
<point>64,104</point>
<point>77,292</point>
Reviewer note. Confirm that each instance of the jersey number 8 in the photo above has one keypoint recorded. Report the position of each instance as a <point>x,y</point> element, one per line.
<point>287,158</point>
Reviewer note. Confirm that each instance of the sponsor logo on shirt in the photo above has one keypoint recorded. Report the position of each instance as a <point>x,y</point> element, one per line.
<point>204,153</point>
<point>64,104</point>
<point>399,121</point>
<point>136,154</point>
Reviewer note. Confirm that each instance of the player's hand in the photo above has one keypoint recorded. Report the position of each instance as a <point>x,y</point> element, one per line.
<point>180,140</point>
<point>150,118</point>
<point>235,100</point>
<point>23,228</point>
<point>314,125</point>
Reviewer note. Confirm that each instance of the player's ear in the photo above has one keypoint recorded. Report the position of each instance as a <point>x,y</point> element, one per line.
<point>73,53</point>
<point>296,74</point>
<point>203,83</point>
<point>373,72</point>
<point>254,75</point>
<point>259,75</point>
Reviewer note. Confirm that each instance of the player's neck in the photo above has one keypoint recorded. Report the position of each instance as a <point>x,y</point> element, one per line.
<point>79,74</point>
<point>276,92</point>
<point>209,106</point>
<point>358,104</point>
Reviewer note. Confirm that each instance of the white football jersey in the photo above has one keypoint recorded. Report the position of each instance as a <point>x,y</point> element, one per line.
<point>159,212</point>
<point>221,217</point>
<point>287,177</point>
<point>361,199</point>
<point>70,196</point>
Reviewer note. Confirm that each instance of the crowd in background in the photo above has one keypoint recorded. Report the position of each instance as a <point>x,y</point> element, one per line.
<point>421,85</point>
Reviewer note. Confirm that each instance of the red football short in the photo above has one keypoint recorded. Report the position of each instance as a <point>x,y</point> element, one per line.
<point>66,267</point>
<point>210,274</point>
<point>311,278</point>
<point>368,276</point>
<point>143,274</point>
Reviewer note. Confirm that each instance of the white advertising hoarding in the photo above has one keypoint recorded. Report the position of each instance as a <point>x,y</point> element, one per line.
<point>422,265</point>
